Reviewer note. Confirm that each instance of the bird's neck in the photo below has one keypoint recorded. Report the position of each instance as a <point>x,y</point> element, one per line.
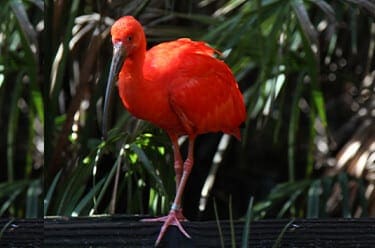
<point>133,65</point>
<point>131,82</point>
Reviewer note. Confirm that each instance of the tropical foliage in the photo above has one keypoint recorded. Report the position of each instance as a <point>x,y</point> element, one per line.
<point>306,69</point>
<point>21,109</point>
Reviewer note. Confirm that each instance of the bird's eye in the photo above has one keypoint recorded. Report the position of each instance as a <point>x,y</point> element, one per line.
<point>129,38</point>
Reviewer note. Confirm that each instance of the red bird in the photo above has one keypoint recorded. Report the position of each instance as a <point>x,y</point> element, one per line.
<point>178,86</point>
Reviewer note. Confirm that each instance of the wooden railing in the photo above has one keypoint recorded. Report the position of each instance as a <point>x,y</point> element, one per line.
<point>125,231</point>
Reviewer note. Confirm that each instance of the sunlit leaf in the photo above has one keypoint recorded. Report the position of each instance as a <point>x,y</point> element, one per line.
<point>148,166</point>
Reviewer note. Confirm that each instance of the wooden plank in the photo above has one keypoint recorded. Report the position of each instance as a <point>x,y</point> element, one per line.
<point>125,231</point>
<point>21,232</point>
<point>122,231</point>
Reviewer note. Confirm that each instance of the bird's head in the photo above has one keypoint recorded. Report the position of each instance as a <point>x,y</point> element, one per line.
<point>128,34</point>
<point>128,40</point>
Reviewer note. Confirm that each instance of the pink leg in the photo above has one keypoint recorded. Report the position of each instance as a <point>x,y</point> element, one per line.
<point>177,159</point>
<point>172,218</point>
<point>178,172</point>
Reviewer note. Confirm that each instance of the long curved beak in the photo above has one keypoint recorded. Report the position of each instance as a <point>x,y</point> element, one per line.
<point>118,59</point>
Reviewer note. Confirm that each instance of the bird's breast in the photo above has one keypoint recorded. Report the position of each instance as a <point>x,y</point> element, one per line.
<point>147,100</point>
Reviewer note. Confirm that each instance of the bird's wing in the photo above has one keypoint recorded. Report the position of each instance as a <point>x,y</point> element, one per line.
<point>164,60</point>
<point>205,96</point>
<point>201,90</point>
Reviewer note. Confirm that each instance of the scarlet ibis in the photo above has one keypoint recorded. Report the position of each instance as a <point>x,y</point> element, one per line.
<point>178,86</point>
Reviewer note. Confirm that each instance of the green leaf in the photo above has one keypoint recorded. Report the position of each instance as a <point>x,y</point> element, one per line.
<point>218,225</point>
<point>288,205</point>
<point>320,105</point>
<point>27,29</point>
<point>293,128</point>
<point>368,5</point>
<point>4,228</point>
<point>246,229</point>
<point>51,190</point>
<point>362,197</point>
<point>73,189</point>
<point>148,166</point>
<point>108,179</point>
<point>10,191</point>
<point>33,203</point>
<point>345,202</point>
<point>61,58</point>
<point>86,199</point>
<point>313,197</point>
<point>305,23</point>
<point>37,100</point>
<point>13,126</point>
<point>231,224</point>
<point>326,8</point>
<point>11,198</point>
<point>281,235</point>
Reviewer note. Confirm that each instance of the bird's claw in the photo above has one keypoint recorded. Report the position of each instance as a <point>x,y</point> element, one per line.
<point>173,218</point>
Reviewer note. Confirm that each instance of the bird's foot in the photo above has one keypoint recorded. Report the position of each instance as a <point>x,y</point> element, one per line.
<point>178,214</point>
<point>173,218</point>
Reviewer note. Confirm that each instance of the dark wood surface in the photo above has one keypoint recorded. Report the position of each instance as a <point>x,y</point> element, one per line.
<point>21,232</point>
<point>123,231</point>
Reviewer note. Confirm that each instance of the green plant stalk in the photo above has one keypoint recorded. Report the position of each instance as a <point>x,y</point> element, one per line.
<point>279,122</point>
<point>231,223</point>
<point>30,143</point>
<point>13,126</point>
<point>313,200</point>
<point>343,180</point>
<point>93,173</point>
<point>218,225</point>
<point>293,128</point>
<point>5,227</point>
<point>362,198</point>
<point>107,181</point>
<point>33,204</point>
<point>246,230</point>
<point>48,59</point>
<point>311,146</point>
<point>112,205</point>
<point>147,164</point>
<point>28,37</point>
<point>289,204</point>
<point>12,196</point>
<point>129,194</point>
<point>327,183</point>
<point>281,235</point>
<point>53,93</point>
<point>73,190</point>
<point>52,187</point>
<point>87,198</point>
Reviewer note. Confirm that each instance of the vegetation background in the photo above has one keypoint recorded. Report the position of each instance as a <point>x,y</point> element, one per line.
<point>306,69</point>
